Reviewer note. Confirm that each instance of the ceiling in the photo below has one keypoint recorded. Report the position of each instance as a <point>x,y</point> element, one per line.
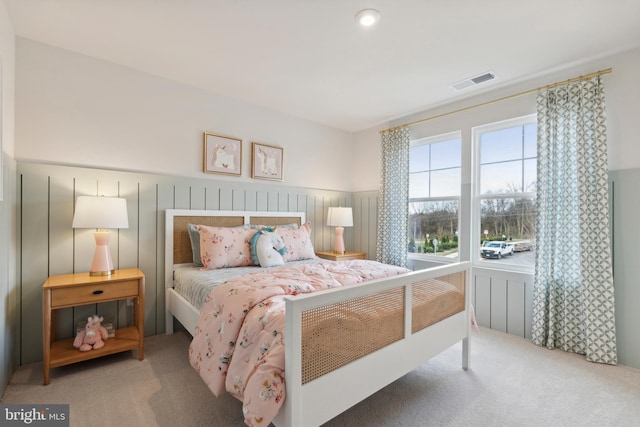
<point>310,59</point>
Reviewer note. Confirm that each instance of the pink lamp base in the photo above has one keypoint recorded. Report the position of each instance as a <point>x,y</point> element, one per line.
<point>338,246</point>
<point>102,264</point>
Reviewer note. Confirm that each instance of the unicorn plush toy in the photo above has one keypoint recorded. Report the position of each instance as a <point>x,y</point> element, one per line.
<point>267,248</point>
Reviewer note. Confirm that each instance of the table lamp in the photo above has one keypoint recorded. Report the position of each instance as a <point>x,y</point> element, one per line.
<point>339,218</point>
<point>101,213</point>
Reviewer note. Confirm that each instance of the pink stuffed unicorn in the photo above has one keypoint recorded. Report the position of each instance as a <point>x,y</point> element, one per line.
<point>92,336</point>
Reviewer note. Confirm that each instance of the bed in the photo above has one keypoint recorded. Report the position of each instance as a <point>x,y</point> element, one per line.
<point>342,344</point>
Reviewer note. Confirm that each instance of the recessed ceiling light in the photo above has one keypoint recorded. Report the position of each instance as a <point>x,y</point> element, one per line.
<point>368,17</point>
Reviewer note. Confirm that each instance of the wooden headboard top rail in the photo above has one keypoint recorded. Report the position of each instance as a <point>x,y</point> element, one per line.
<point>178,250</point>
<point>281,220</point>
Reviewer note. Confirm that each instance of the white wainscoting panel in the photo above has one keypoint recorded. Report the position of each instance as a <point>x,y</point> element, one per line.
<point>503,300</point>
<point>48,245</point>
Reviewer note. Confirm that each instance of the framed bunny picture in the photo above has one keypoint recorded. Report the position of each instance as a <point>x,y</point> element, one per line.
<point>222,154</point>
<point>266,161</point>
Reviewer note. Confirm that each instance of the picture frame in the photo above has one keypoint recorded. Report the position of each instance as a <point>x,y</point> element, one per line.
<point>266,161</point>
<point>222,154</point>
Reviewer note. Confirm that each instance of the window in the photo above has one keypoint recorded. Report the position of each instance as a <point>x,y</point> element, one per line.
<point>505,192</point>
<point>434,195</point>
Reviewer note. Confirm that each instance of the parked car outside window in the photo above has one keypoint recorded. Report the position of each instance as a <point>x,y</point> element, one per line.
<point>496,249</point>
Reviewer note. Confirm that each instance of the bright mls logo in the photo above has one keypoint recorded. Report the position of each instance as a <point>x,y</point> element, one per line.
<point>37,415</point>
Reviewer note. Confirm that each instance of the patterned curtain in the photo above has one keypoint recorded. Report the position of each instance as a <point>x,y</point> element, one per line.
<point>573,296</point>
<point>393,199</point>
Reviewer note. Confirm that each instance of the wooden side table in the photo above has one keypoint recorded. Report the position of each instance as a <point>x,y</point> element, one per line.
<point>71,290</point>
<point>334,256</point>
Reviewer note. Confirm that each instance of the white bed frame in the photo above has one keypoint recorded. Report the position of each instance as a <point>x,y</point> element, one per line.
<point>352,383</point>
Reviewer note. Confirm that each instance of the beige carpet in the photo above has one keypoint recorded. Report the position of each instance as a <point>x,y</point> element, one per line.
<point>511,383</point>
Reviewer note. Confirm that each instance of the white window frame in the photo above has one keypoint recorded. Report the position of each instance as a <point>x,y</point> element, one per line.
<point>476,231</point>
<point>433,140</point>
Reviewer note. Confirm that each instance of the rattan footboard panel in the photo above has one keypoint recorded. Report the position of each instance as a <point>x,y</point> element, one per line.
<point>337,334</point>
<point>436,299</point>
<point>340,333</point>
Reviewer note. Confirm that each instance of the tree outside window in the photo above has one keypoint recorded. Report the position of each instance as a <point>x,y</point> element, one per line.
<point>506,190</point>
<point>434,195</point>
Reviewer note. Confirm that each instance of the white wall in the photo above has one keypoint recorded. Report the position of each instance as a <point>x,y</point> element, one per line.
<point>366,163</point>
<point>77,110</point>
<point>623,109</point>
<point>7,58</point>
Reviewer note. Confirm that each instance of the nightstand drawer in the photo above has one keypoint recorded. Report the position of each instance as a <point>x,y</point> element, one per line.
<point>87,294</point>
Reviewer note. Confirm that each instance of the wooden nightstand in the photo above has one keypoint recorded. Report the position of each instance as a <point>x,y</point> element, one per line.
<point>71,290</point>
<point>333,256</point>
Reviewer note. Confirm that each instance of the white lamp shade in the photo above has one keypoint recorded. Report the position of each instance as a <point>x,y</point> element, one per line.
<point>340,217</point>
<point>100,212</point>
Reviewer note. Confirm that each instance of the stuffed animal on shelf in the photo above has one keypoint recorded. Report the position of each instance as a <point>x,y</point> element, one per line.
<point>267,248</point>
<point>92,336</point>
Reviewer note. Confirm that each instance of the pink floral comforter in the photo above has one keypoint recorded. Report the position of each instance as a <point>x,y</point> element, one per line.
<point>239,339</point>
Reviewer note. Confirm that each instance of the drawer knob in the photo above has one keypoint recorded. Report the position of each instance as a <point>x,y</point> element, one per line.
<point>98,292</point>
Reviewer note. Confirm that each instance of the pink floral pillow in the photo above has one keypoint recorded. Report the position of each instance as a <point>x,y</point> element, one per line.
<point>222,247</point>
<point>298,242</point>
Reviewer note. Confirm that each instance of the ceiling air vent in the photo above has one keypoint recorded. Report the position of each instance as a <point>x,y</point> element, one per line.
<point>463,84</point>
